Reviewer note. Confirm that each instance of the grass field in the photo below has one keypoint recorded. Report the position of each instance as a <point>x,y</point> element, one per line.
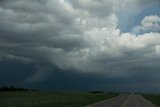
<point>51,99</point>
<point>153,98</point>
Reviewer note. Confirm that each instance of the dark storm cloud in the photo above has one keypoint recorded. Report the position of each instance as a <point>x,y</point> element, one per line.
<point>14,72</point>
<point>29,26</point>
<point>32,29</point>
<point>81,36</point>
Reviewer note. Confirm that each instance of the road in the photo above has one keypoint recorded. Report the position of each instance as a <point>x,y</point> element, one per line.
<point>124,100</point>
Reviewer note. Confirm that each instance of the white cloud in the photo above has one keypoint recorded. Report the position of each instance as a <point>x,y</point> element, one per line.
<point>148,24</point>
<point>106,43</point>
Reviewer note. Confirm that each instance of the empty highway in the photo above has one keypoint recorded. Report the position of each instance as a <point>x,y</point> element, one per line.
<point>124,100</point>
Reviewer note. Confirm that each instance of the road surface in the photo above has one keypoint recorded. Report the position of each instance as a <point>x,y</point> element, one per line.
<point>124,100</point>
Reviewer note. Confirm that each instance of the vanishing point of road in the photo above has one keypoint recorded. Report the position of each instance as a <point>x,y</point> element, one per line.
<point>124,100</point>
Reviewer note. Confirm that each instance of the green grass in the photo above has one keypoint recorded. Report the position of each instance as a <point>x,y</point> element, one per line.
<point>153,98</point>
<point>51,99</point>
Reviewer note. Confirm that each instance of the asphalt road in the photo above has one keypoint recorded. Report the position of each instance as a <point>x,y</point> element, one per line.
<point>124,100</point>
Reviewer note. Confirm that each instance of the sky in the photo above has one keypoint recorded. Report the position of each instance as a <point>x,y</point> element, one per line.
<point>108,45</point>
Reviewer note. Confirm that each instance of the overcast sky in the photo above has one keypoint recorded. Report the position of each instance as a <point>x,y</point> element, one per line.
<point>81,44</point>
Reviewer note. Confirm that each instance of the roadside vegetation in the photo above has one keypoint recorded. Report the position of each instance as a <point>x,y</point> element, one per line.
<point>153,98</point>
<point>51,99</point>
<point>12,88</point>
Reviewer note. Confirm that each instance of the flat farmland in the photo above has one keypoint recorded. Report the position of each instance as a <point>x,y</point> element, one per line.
<point>51,99</point>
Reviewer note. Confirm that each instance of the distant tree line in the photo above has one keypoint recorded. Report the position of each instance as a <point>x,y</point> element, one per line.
<point>96,92</point>
<point>12,88</point>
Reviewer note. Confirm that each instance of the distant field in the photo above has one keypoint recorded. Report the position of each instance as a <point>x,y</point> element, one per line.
<point>51,99</point>
<point>153,98</point>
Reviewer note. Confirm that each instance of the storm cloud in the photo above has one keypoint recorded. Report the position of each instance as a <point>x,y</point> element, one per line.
<point>83,36</point>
